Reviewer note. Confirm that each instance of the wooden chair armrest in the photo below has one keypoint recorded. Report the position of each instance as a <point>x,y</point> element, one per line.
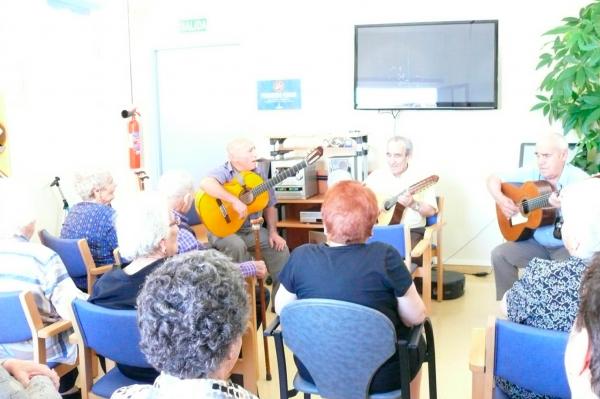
<point>54,329</point>
<point>477,351</point>
<point>422,245</point>
<point>101,270</point>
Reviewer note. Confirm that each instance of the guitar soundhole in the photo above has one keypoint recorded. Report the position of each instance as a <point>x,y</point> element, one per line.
<point>246,197</point>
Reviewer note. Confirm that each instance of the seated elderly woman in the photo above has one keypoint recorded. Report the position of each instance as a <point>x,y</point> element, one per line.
<point>92,218</point>
<point>192,313</point>
<point>347,269</point>
<point>178,188</point>
<point>147,234</point>
<point>547,295</point>
<point>582,355</point>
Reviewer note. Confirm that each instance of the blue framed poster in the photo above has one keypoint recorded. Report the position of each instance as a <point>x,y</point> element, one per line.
<point>278,94</point>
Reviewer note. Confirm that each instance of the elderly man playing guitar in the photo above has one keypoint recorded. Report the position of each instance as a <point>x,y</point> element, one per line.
<point>242,158</point>
<point>398,200</point>
<point>518,217</point>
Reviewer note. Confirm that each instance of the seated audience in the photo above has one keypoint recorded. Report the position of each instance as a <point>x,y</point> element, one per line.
<point>92,218</point>
<point>26,379</point>
<point>192,313</point>
<point>582,360</point>
<point>29,266</point>
<point>178,188</point>
<point>547,295</point>
<point>147,234</point>
<point>372,275</point>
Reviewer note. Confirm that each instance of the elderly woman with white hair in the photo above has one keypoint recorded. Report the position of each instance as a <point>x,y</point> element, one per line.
<point>192,313</point>
<point>547,295</point>
<point>147,234</point>
<point>92,218</point>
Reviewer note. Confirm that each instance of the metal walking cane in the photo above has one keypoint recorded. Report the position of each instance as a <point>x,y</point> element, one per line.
<point>256,223</point>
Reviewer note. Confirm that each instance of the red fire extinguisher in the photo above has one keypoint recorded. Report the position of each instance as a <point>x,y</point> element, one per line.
<point>135,140</point>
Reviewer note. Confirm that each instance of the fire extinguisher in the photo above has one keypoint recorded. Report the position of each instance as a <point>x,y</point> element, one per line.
<point>135,140</point>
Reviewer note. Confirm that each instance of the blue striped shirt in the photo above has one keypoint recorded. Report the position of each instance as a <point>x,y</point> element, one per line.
<point>26,266</point>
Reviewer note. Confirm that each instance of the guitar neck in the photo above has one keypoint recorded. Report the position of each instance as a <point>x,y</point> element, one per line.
<point>532,204</point>
<point>261,188</point>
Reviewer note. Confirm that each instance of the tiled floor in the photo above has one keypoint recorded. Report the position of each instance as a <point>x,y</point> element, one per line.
<point>452,322</point>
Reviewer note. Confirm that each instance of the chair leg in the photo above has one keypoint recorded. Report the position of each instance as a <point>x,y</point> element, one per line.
<point>430,359</point>
<point>440,274</point>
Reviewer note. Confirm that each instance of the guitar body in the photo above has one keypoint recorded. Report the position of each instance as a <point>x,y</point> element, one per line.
<point>219,217</point>
<point>532,218</point>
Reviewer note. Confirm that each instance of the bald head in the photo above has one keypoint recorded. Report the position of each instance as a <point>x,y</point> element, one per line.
<point>241,152</point>
<point>551,153</point>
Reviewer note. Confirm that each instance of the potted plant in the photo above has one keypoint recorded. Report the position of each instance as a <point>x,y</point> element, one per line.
<point>570,92</point>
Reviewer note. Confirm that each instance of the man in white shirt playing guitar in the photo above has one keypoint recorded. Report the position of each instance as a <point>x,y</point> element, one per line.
<point>395,179</point>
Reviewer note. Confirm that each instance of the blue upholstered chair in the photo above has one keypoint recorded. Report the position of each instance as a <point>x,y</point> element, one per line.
<point>77,258</point>
<point>113,334</point>
<point>398,236</point>
<point>530,357</point>
<point>342,345</point>
<point>21,321</point>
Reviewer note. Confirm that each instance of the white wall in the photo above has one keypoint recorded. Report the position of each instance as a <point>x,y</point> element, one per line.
<point>65,76</point>
<point>314,42</point>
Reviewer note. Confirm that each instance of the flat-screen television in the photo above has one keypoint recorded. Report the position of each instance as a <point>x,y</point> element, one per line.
<point>430,65</point>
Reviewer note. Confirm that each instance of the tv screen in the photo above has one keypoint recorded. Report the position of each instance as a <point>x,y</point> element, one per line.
<point>432,65</point>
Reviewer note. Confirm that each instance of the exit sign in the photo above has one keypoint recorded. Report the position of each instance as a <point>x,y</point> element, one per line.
<point>192,25</point>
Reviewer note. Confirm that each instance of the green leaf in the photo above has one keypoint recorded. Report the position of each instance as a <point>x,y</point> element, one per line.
<point>537,106</point>
<point>591,118</point>
<point>570,19</point>
<point>580,77</point>
<point>546,110</point>
<point>558,30</point>
<point>543,98</point>
<point>592,100</point>
<point>567,74</point>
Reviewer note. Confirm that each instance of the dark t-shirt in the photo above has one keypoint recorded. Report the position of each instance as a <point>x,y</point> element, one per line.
<point>119,290</point>
<point>372,275</point>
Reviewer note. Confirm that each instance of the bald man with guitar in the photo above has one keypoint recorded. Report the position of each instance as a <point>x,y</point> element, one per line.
<point>233,210</point>
<point>527,204</point>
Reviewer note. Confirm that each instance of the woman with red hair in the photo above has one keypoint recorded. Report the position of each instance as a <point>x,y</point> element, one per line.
<point>347,269</point>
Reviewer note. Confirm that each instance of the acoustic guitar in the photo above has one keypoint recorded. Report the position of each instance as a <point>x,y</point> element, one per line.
<point>534,210</point>
<point>392,211</point>
<point>221,219</point>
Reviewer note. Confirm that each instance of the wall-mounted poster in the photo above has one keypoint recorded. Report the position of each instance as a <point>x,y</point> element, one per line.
<point>278,94</point>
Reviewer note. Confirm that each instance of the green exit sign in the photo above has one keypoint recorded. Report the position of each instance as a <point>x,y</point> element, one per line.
<point>192,25</point>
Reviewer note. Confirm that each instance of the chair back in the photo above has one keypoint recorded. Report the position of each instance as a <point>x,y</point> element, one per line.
<point>396,235</point>
<point>70,254</point>
<point>531,358</point>
<point>341,344</point>
<point>111,333</point>
<point>13,323</point>
<point>193,217</point>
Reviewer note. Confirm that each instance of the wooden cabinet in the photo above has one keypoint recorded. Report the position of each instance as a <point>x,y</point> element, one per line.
<point>294,231</point>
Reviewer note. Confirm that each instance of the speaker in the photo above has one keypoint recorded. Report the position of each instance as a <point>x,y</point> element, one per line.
<point>454,284</point>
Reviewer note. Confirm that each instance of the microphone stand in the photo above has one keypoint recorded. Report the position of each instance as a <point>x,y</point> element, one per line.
<point>56,183</point>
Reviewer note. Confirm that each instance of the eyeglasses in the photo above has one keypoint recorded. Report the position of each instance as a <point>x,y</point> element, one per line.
<point>176,221</point>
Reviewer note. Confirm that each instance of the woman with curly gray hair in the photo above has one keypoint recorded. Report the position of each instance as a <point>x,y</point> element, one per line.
<point>192,313</point>
<point>92,218</point>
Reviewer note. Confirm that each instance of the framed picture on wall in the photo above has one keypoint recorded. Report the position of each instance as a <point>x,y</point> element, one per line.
<point>527,154</point>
